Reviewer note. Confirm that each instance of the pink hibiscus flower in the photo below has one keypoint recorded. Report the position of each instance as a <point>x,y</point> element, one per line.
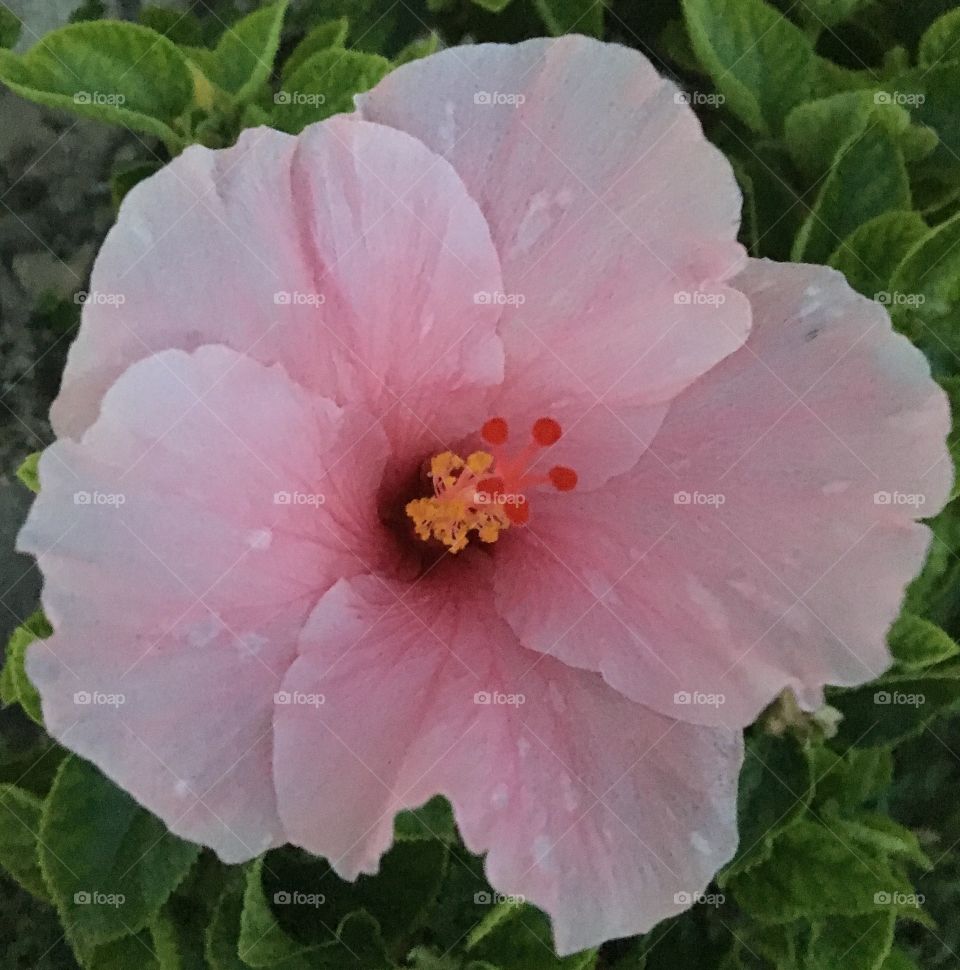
<point>455,446</point>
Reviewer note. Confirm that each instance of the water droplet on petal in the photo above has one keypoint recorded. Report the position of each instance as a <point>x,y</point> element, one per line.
<point>205,631</point>
<point>571,799</point>
<point>259,539</point>
<point>699,842</point>
<point>557,698</point>
<point>836,488</point>
<point>542,847</point>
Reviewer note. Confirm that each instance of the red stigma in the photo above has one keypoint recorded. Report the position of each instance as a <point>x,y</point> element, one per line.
<point>494,431</point>
<point>546,432</point>
<point>562,478</point>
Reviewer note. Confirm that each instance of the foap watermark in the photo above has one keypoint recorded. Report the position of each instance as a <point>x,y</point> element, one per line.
<point>296,898</point>
<point>907,99</point>
<point>499,97</point>
<point>94,897</point>
<point>913,499</point>
<point>100,98</point>
<point>898,298</point>
<point>498,698</point>
<point>299,97</point>
<point>295,698</point>
<point>705,99</point>
<point>706,899</point>
<point>98,698</point>
<point>496,298</point>
<point>297,298</point>
<point>95,298</point>
<point>698,298</point>
<point>299,498</point>
<point>99,498</point>
<point>897,898</point>
<point>898,698</point>
<point>698,698</point>
<point>483,898</point>
<point>499,498</point>
<point>713,499</point>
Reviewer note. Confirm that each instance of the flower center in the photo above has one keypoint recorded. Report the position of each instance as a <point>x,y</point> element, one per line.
<point>486,493</point>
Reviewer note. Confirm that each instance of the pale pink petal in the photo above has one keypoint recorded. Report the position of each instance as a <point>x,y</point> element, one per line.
<point>614,218</point>
<point>592,807</point>
<point>766,537</point>
<point>183,544</point>
<point>351,255</point>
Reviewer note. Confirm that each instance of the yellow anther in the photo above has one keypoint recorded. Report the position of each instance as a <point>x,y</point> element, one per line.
<point>454,511</point>
<point>479,462</point>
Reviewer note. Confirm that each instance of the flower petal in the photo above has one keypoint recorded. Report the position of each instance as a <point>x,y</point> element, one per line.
<point>181,553</point>
<point>350,254</point>
<point>590,806</point>
<point>614,218</point>
<point>766,537</point>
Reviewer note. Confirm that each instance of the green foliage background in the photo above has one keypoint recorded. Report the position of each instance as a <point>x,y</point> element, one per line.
<point>842,122</point>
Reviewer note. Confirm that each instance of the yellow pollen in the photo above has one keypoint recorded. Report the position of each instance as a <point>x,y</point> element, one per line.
<point>456,508</point>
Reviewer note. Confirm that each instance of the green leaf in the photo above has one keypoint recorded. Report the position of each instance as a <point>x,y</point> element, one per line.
<point>941,42</point>
<point>88,10</point>
<point>778,944</point>
<point>675,42</point>
<point>182,27</point>
<point>851,942</point>
<point>568,16</point>
<point>898,960</point>
<point>109,863</point>
<point>818,871</point>
<point>331,33</point>
<point>897,706</point>
<point>431,958</point>
<point>772,210</point>
<point>932,594</point>
<point>493,6</point>
<point>776,785</point>
<point>917,643</point>
<point>952,386</point>
<point>927,283</point>
<point>761,62</point>
<point>202,58</point>
<point>125,953</point>
<point>324,85</point>
<point>889,838</point>
<point>871,253</point>
<point>178,935</point>
<point>824,14</point>
<point>846,781</point>
<point>15,686</point>
<point>117,72</point>
<point>816,132</point>
<point>19,826</point>
<point>223,933</point>
<point>122,180</point>
<point>514,936</point>
<point>462,900</point>
<point>931,95</point>
<point>246,51</point>
<point>868,178</point>
<point>27,472</point>
<point>433,820</point>
<point>422,47</point>
<point>354,943</point>
<point>10,27</point>
<point>399,896</point>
